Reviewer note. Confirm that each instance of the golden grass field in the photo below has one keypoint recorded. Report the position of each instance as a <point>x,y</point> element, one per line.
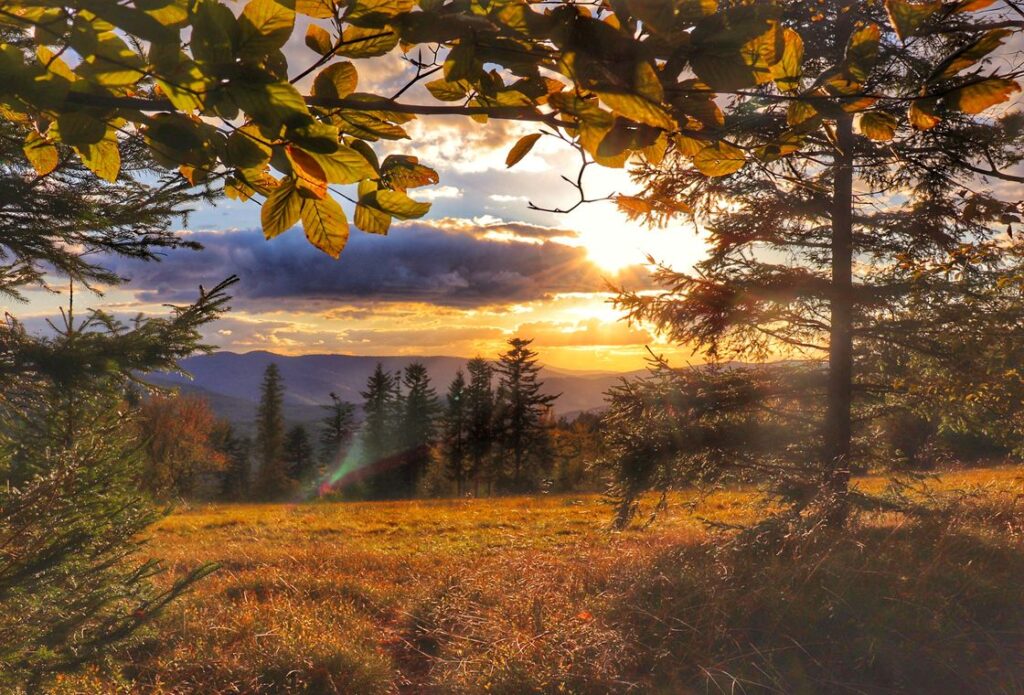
<point>530,594</point>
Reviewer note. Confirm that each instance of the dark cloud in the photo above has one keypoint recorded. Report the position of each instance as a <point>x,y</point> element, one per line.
<point>443,262</point>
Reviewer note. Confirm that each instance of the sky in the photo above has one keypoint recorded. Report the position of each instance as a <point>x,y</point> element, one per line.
<point>480,268</point>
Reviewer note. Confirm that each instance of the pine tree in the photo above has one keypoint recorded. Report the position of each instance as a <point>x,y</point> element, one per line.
<point>72,583</point>
<point>272,478</point>
<point>377,435</point>
<point>299,455</point>
<point>520,414</point>
<point>336,430</point>
<point>419,426</point>
<point>235,480</point>
<point>456,431</point>
<point>481,427</point>
<point>873,190</point>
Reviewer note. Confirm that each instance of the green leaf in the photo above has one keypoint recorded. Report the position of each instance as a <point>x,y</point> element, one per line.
<point>281,209</point>
<point>273,105</point>
<point>979,96</point>
<point>319,40</point>
<point>877,125</point>
<point>521,149</point>
<point>443,90</point>
<point>368,218</point>
<point>358,42</point>
<point>103,158</point>
<point>325,224</point>
<point>265,26</point>
<point>246,148</point>
<point>336,81</point>
<point>719,159</point>
<point>41,153</point>
<point>345,165</point>
<point>906,17</point>
<point>215,34</point>
<point>76,128</point>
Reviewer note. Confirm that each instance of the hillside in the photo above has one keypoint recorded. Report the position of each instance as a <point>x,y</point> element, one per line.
<point>231,381</point>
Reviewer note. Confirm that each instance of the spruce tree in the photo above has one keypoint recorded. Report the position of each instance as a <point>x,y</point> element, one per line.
<point>299,455</point>
<point>235,479</point>
<point>481,427</point>
<point>336,430</point>
<point>456,431</point>
<point>419,427</point>
<point>521,413</point>
<point>377,435</point>
<point>272,477</point>
<point>873,187</point>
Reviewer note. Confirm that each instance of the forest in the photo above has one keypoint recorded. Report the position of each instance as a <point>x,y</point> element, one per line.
<point>812,485</point>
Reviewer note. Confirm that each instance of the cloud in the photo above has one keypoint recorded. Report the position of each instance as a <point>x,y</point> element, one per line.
<point>584,333</point>
<point>443,262</point>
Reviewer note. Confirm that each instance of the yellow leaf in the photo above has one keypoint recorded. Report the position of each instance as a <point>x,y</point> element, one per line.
<point>787,71</point>
<point>318,39</point>
<point>922,114</point>
<point>325,225</point>
<point>862,52</point>
<point>906,17</point>
<point>877,125</point>
<point>310,179</point>
<point>266,26</point>
<point>102,158</point>
<point>637,108</point>
<point>281,209</point>
<point>319,9</point>
<point>41,153</point>
<point>719,159</point>
<point>975,98</point>
<point>336,81</point>
<point>521,149</point>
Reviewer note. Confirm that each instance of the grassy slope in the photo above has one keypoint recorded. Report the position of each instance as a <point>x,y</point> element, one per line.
<point>533,594</point>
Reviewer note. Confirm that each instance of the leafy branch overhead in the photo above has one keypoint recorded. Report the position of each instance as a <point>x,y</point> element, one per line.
<point>213,94</point>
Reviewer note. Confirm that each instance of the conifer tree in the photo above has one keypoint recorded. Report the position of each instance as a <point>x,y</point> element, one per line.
<point>521,412</point>
<point>377,435</point>
<point>481,427</point>
<point>873,189</point>
<point>299,455</point>
<point>419,426</point>
<point>336,429</point>
<point>235,480</point>
<point>456,431</point>
<point>272,477</point>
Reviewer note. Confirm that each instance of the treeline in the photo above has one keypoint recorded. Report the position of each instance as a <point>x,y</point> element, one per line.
<point>493,431</point>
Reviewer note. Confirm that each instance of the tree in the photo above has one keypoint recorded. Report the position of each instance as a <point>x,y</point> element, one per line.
<point>480,416</point>
<point>215,96</point>
<point>178,433</point>
<point>418,427</point>
<point>377,436</point>
<point>814,256</point>
<point>455,432</point>
<point>521,410</point>
<point>72,584</point>
<point>235,480</point>
<point>272,477</point>
<point>299,455</point>
<point>336,430</point>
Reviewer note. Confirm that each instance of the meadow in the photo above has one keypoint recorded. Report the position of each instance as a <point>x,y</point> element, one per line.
<point>536,594</point>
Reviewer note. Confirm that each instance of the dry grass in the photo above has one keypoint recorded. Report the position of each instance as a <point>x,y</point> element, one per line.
<point>523,595</point>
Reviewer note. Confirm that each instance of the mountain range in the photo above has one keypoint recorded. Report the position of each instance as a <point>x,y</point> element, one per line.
<point>231,382</point>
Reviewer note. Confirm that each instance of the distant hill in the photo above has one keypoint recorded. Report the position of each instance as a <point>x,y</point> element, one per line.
<point>231,381</point>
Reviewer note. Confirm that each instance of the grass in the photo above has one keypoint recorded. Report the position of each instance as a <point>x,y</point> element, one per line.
<point>519,595</point>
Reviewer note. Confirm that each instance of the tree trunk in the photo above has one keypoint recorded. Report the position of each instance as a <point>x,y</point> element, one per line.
<point>840,358</point>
